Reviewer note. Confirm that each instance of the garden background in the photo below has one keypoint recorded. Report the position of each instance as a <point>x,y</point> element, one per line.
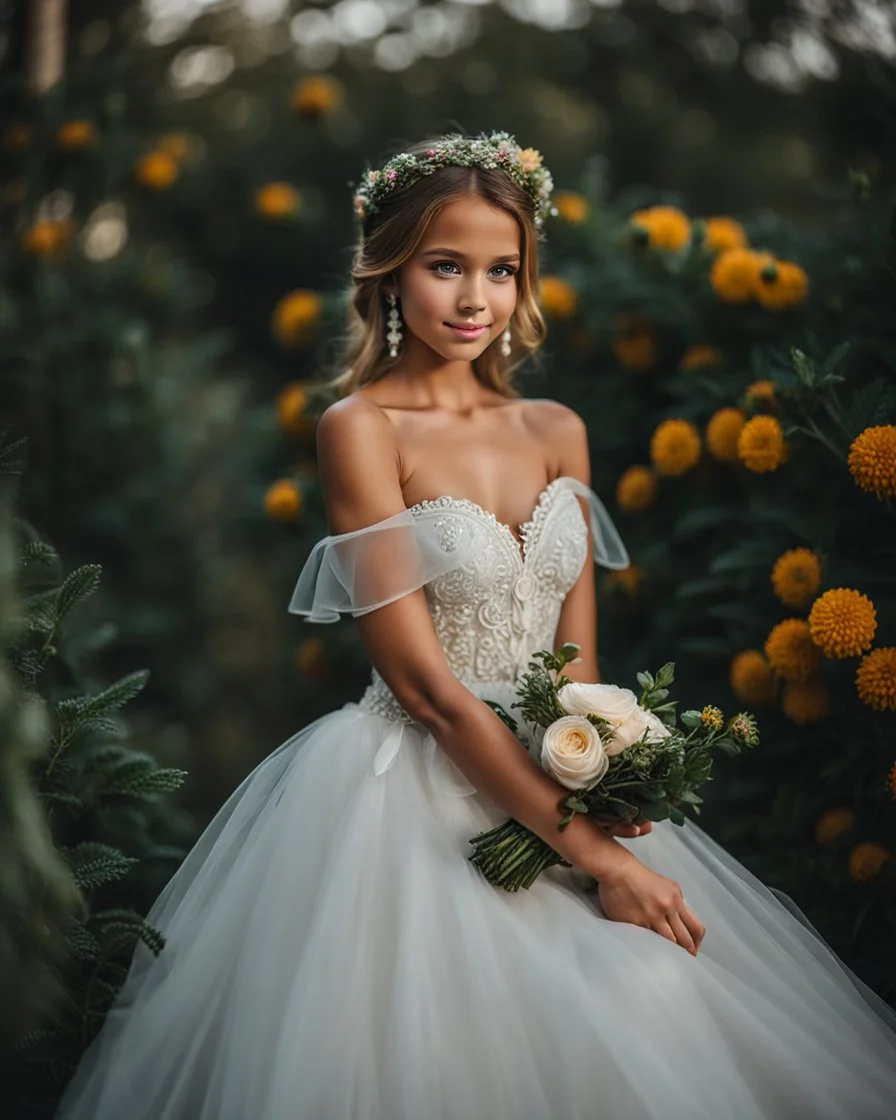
<point>176,232</point>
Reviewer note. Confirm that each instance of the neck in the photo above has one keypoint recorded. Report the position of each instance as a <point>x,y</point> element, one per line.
<point>428,381</point>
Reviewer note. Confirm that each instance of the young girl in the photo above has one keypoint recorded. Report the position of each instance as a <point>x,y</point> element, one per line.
<point>331,952</point>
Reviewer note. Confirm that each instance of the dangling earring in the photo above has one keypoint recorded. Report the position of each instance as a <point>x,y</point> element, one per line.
<point>505,343</point>
<point>393,327</point>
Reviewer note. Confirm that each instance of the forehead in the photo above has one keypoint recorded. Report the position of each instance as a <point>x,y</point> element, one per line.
<point>472,224</point>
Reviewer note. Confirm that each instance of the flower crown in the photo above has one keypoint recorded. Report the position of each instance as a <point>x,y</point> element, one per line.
<point>496,150</point>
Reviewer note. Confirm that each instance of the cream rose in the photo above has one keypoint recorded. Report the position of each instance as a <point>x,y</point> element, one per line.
<point>656,729</point>
<point>618,706</point>
<point>573,753</point>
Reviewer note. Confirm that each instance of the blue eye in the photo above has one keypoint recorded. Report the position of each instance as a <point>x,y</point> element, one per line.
<point>508,271</point>
<point>439,265</point>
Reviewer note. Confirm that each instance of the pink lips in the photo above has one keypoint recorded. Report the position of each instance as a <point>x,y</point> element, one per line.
<point>467,331</point>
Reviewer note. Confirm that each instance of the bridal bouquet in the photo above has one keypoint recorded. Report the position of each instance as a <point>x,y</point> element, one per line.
<point>622,758</point>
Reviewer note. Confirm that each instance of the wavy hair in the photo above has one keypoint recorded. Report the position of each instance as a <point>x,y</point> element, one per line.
<point>390,237</point>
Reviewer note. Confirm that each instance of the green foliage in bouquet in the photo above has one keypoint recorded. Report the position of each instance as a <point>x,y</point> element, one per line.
<point>655,777</point>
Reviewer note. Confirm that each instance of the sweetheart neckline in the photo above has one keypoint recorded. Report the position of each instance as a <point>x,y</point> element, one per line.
<point>520,545</point>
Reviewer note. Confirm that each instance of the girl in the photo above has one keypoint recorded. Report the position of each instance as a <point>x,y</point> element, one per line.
<point>331,952</point>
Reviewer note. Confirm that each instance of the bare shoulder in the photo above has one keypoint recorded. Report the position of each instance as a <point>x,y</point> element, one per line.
<point>349,417</point>
<point>563,431</point>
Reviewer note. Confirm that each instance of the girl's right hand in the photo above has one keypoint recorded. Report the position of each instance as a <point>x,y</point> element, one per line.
<point>633,893</point>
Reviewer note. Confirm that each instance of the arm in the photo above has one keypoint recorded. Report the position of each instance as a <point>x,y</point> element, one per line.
<point>359,466</point>
<point>578,615</point>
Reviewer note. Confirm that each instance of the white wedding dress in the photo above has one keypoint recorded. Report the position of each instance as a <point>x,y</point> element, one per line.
<point>333,955</point>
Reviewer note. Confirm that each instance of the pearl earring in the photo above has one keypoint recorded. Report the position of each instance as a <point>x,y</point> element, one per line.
<point>393,327</point>
<point>505,343</point>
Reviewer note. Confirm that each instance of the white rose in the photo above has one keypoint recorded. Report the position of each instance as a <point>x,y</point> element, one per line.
<point>573,753</point>
<point>618,706</point>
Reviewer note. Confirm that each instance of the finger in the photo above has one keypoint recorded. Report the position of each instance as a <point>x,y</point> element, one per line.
<point>624,829</point>
<point>665,930</point>
<point>696,928</point>
<point>645,826</point>
<point>682,934</point>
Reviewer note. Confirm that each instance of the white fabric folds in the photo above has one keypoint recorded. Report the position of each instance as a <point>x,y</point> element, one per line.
<point>357,572</point>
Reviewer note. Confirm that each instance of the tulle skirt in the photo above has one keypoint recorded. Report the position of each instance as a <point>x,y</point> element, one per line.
<point>333,955</point>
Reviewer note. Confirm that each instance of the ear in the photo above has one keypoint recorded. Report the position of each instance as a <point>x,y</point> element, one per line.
<point>389,286</point>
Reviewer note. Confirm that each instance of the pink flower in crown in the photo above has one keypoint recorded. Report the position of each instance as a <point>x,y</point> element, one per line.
<point>430,152</point>
<point>392,176</point>
<point>530,159</point>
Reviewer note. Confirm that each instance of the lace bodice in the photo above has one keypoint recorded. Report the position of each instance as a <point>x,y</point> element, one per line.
<point>493,611</point>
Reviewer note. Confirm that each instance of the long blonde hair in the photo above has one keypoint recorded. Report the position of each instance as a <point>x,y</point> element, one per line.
<point>391,237</point>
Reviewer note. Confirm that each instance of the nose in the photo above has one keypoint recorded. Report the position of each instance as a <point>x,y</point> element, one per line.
<point>471,298</point>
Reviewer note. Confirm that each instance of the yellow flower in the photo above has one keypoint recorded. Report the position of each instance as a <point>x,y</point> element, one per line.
<point>843,623</point>
<point>735,274</point>
<point>697,357</point>
<point>760,393</point>
<point>723,234</point>
<point>866,861</point>
<point>872,460</point>
<point>18,136</point>
<point>782,286</point>
<point>627,580</point>
<point>558,298</point>
<point>760,445</point>
<point>174,144</point>
<point>675,447</point>
<point>291,404</point>
<point>295,316</point>
<point>156,171</point>
<point>796,576</point>
<point>665,226</point>
<point>712,718</point>
<point>316,95</point>
<point>831,825</point>
<point>636,490</point>
<point>277,200</point>
<point>790,650</point>
<point>283,500</point>
<point>722,433</point>
<point>75,135</point>
<point>805,701</point>
<point>634,343</point>
<point>530,159</point>
<point>751,678</point>
<point>571,207</point>
<point>876,680</point>
<point>48,237</point>
<point>312,660</point>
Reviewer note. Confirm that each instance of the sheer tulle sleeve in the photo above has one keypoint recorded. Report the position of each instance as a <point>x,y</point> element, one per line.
<point>357,572</point>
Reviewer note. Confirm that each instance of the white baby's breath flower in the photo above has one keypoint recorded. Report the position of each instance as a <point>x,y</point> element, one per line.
<point>573,753</point>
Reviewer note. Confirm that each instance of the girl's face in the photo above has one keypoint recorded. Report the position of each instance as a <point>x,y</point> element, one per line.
<point>459,288</point>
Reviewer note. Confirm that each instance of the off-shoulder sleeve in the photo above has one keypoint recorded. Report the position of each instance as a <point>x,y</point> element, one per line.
<point>357,572</point>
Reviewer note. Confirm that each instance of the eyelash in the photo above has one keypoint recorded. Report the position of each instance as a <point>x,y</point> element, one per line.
<point>437,265</point>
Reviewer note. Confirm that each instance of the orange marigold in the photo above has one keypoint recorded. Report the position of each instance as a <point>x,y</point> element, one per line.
<point>806,701</point>
<point>571,207</point>
<point>635,348</point>
<point>866,861</point>
<point>831,825</point>
<point>665,227</point>
<point>872,460</point>
<point>876,679</point>
<point>277,200</point>
<point>636,489</point>
<point>752,679</point>
<point>675,447</point>
<point>47,237</point>
<point>796,576</point>
<point>75,135</point>
<point>291,405</point>
<point>723,234</point>
<point>283,500</point>
<point>316,95</point>
<point>701,356</point>
<point>558,297</point>
<point>760,445</point>
<point>295,315</point>
<point>156,171</point>
<point>790,650</point>
<point>722,433</point>
<point>843,623</point>
<point>782,285</point>
<point>735,274</point>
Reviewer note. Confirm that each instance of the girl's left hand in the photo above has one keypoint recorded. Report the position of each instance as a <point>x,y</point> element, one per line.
<point>628,831</point>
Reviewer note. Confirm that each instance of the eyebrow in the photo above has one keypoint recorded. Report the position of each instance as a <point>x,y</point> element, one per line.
<point>462,256</point>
